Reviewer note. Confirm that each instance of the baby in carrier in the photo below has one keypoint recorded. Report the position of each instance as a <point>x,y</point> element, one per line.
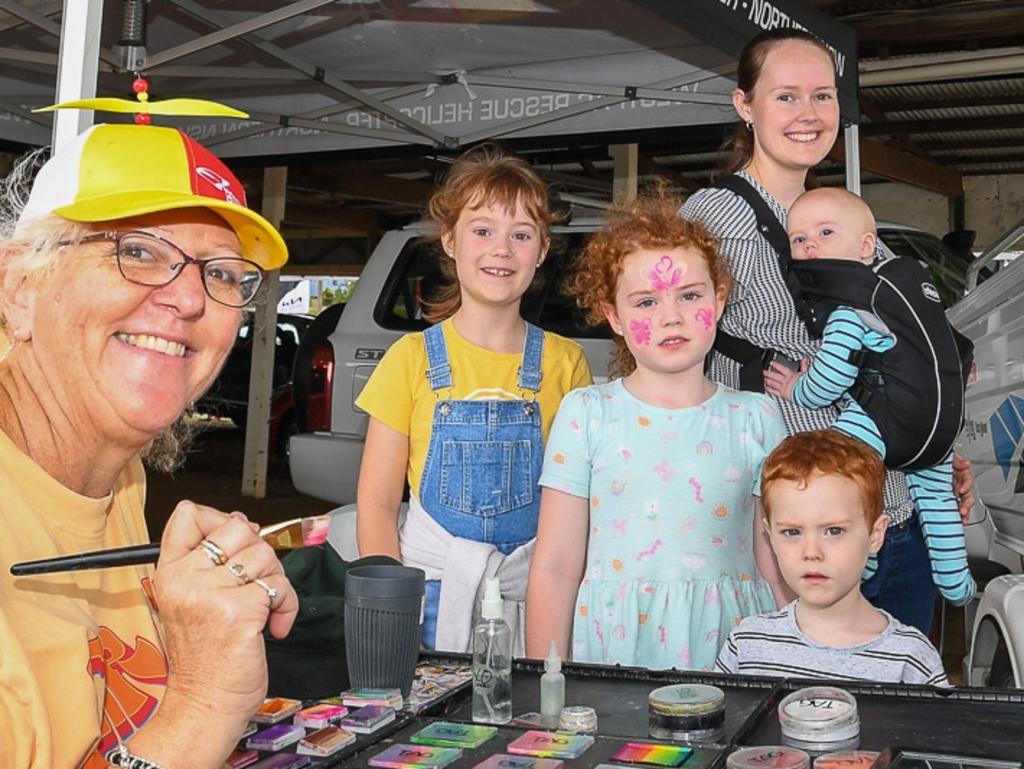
<point>890,360</point>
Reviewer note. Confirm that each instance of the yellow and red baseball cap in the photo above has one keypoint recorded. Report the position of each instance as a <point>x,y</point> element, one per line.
<point>118,171</point>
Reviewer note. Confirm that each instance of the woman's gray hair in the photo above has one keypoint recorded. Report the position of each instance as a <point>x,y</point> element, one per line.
<point>34,246</point>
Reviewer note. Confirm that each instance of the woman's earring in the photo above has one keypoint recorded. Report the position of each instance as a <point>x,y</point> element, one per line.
<point>750,126</point>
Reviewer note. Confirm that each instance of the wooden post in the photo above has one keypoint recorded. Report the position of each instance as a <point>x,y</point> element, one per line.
<point>626,157</point>
<point>264,338</point>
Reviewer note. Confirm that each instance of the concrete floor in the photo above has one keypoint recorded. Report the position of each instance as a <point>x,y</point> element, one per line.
<point>212,475</point>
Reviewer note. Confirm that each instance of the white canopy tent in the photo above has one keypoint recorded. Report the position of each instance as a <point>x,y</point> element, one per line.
<point>357,75</point>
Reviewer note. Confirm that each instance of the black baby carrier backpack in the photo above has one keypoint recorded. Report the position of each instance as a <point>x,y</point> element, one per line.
<point>915,391</point>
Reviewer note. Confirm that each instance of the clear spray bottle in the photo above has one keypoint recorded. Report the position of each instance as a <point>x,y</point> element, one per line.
<point>492,660</point>
<point>552,685</point>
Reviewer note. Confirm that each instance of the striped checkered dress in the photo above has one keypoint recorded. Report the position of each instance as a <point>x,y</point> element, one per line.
<point>760,310</point>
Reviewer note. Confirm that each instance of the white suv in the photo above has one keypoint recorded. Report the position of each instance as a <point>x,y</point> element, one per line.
<point>340,351</point>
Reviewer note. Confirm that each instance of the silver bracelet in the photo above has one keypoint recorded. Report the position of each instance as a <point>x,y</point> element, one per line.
<point>122,758</point>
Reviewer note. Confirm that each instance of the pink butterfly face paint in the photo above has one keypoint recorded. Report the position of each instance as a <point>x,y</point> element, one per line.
<point>666,275</point>
<point>641,331</point>
<point>705,317</point>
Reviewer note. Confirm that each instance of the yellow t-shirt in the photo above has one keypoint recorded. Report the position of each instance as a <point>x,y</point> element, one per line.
<point>80,652</point>
<point>399,395</point>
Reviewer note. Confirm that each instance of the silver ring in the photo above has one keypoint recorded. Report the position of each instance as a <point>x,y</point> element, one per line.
<point>271,592</point>
<point>214,552</point>
<point>239,571</point>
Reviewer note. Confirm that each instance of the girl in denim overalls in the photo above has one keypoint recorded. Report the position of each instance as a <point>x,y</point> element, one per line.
<point>460,411</point>
<point>651,545</point>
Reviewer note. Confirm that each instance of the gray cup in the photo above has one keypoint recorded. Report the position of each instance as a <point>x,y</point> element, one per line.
<point>382,625</point>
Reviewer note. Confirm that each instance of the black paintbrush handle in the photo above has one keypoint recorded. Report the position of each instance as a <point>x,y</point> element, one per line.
<point>99,559</point>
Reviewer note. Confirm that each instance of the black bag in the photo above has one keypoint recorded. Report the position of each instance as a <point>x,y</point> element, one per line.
<point>310,662</point>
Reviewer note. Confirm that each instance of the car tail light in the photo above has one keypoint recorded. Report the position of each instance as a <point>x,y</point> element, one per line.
<point>321,381</point>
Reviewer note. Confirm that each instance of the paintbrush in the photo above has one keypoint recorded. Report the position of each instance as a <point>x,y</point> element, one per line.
<point>281,536</point>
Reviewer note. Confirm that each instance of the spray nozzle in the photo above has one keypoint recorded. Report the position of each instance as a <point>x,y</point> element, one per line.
<point>491,608</point>
<point>553,663</point>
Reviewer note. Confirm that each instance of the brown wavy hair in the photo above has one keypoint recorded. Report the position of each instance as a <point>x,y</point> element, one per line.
<point>739,147</point>
<point>650,222</point>
<point>483,176</point>
<point>804,456</point>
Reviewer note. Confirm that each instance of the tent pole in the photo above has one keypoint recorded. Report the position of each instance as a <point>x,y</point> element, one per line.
<point>77,66</point>
<point>852,149</point>
<point>626,157</point>
<point>264,344</point>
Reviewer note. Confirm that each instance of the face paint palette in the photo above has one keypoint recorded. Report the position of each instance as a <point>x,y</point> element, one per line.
<point>415,757</point>
<point>847,759</point>
<point>451,735</point>
<point>276,737</point>
<point>276,709</point>
<point>325,742</point>
<point>357,698</point>
<point>368,719</point>
<point>654,755</point>
<point>505,761</point>
<point>820,719</point>
<point>768,757</point>
<point>320,715</point>
<point>283,761</point>
<point>551,744</point>
<point>241,757</point>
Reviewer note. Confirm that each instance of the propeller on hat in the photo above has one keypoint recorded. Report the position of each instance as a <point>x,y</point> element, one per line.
<point>143,107</point>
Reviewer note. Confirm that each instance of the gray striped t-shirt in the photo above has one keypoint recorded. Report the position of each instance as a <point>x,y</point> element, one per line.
<point>773,645</point>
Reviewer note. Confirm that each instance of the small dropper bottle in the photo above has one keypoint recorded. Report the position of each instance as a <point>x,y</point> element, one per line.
<point>552,684</point>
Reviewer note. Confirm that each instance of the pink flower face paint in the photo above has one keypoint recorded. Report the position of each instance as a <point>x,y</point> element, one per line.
<point>665,274</point>
<point>641,331</point>
<point>705,317</point>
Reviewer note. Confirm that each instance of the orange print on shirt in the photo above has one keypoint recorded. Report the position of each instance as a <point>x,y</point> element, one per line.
<point>559,459</point>
<point>126,707</point>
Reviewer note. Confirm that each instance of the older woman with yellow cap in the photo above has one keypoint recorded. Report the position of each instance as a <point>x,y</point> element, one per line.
<point>121,288</point>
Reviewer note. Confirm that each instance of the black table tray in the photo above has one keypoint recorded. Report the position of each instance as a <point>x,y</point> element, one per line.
<point>965,722</point>
<point>619,695</point>
<point>600,752</point>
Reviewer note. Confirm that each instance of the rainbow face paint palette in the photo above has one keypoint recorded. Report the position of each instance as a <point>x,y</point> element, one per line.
<point>368,719</point>
<point>276,737</point>
<point>505,761</point>
<point>320,715</point>
<point>283,761</point>
<point>415,757</point>
<point>241,757</point>
<point>357,698</point>
<point>452,735</point>
<point>276,709</point>
<point>654,755</point>
<point>551,744</point>
<point>325,742</point>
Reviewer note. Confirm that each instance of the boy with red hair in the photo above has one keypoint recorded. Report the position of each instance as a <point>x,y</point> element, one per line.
<point>822,496</point>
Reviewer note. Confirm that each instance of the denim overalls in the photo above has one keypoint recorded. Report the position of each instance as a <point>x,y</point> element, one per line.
<point>483,462</point>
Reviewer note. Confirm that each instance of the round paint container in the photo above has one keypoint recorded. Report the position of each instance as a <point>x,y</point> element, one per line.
<point>820,719</point>
<point>768,757</point>
<point>578,718</point>
<point>686,713</point>
<point>846,759</point>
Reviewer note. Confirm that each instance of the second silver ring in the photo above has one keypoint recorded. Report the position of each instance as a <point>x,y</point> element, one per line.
<point>239,571</point>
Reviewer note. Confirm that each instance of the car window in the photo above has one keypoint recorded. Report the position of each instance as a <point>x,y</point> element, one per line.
<point>413,283</point>
<point>946,270</point>
<point>416,277</point>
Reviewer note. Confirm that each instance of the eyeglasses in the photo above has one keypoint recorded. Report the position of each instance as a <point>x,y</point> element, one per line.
<point>149,260</point>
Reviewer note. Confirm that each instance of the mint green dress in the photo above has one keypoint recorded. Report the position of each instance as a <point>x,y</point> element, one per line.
<point>670,561</point>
